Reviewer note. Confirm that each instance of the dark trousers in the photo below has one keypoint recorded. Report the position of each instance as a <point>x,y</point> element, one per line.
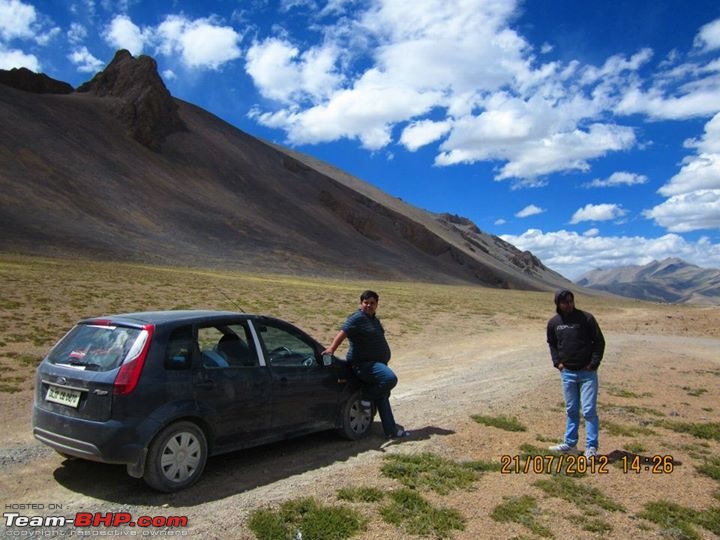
<point>379,381</point>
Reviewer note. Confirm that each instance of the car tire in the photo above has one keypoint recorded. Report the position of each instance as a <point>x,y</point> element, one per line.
<point>355,422</point>
<point>176,457</point>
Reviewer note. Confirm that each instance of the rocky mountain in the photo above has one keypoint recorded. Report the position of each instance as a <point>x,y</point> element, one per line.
<point>119,169</point>
<point>671,280</point>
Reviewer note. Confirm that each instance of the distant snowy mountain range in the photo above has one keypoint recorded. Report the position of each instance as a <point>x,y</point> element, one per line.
<point>671,280</point>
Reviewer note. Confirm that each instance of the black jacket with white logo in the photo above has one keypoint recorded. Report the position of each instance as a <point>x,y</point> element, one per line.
<point>575,340</point>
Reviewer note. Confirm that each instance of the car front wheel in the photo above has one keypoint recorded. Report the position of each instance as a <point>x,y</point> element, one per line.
<point>356,421</point>
<point>176,457</point>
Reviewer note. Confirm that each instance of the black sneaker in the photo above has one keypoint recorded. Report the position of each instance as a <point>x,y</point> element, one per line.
<point>400,433</point>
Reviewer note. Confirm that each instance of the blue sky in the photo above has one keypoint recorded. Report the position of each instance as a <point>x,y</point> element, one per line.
<point>585,132</point>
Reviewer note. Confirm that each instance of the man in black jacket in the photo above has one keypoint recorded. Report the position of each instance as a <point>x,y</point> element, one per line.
<point>576,348</point>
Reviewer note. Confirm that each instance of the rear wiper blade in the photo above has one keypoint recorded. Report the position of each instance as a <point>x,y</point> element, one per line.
<point>83,364</point>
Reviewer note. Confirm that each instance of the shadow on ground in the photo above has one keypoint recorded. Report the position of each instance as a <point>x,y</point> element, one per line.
<point>232,473</point>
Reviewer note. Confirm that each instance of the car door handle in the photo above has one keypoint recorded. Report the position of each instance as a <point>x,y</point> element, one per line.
<point>283,380</point>
<point>208,383</point>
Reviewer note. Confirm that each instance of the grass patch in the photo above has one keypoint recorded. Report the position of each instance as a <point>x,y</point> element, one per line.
<point>585,497</point>
<point>412,513</point>
<point>429,471</point>
<point>29,360</point>
<point>678,521</point>
<point>501,422</point>
<point>595,525</point>
<point>527,449</point>
<point>695,392</point>
<point>9,387</point>
<point>482,465</point>
<point>710,467</point>
<point>307,517</point>
<point>617,391</point>
<point>709,430</point>
<point>635,410</point>
<point>360,494</point>
<point>635,448</point>
<point>523,510</point>
<point>620,430</point>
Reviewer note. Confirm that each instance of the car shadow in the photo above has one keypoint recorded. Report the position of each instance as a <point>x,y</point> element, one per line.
<point>233,473</point>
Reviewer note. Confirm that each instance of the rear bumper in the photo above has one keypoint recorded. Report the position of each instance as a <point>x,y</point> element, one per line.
<point>67,445</point>
<point>106,442</point>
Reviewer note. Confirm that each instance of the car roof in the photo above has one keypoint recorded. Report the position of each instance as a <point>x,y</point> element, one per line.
<point>170,316</point>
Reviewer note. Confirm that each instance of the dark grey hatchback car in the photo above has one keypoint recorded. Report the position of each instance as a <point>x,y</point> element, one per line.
<point>161,391</point>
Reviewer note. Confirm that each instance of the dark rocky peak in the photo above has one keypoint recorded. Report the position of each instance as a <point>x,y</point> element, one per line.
<point>144,105</point>
<point>29,81</point>
<point>461,221</point>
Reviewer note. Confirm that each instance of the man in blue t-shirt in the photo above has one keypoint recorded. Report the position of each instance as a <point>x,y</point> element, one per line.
<point>368,356</point>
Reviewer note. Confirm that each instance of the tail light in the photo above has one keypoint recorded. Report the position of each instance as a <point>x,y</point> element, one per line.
<point>131,368</point>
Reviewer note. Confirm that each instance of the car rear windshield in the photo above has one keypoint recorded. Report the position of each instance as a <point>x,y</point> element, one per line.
<point>95,347</point>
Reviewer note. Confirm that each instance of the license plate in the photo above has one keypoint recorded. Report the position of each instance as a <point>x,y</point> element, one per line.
<point>64,396</point>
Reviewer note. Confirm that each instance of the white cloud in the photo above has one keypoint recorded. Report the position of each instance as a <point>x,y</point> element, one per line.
<point>206,45</point>
<point>419,134</point>
<point>85,61</point>
<point>77,33</point>
<point>530,210</point>
<point>463,58</point>
<point>16,20</point>
<point>283,74</point>
<point>708,38</point>
<point>591,232</point>
<point>13,58</point>
<point>500,221</point>
<point>44,38</point>
<point>701,171</point>
<point>573,254</point>
<point>122,33</point>
<point>658,106</point>
<point>694,192</point>
<point>366,112</point>
<point>200,43</point>
<point>621,178</point>
<point>437,54</point>
<point>616,65</point>
<point>597,212</point>
<point>270,66</point>
<point>687,212</point>
<point>561,151</point>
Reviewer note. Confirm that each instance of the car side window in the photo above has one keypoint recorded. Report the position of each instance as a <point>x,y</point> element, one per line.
<point>179,347</point>
<point>285,348</point>
<point>227,346</point>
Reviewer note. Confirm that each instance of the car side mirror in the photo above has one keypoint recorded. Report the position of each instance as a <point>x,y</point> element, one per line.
<point>327,359</point>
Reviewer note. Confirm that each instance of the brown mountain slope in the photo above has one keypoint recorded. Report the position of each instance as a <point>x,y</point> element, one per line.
<point>76,179</point>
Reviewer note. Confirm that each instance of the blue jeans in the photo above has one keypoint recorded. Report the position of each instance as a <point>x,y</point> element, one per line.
<point>580,389</point>
<point>379,381</point>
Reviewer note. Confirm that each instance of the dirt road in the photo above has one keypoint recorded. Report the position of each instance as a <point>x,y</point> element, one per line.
<point>441,385</point>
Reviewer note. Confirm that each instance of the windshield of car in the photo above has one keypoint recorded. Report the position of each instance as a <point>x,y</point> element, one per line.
<point>94,347</point>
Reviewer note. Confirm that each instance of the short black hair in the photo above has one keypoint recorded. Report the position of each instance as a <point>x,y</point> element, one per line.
<point>564,295</point>
<point>369,294</point>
